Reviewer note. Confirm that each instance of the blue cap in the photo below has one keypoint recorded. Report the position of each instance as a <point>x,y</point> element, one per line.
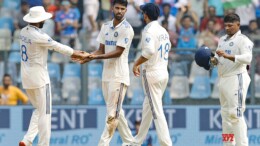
<point>151,10</point>
<point>202,57</point>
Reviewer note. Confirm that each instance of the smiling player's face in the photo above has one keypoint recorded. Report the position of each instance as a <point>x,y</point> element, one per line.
<point>232,28</point>
<point>119,11</point>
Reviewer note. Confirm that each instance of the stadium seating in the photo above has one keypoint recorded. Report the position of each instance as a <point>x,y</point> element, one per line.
<point>5,39</point>
<point>167,100</point>
<point>179,87</point>
<point>15,57</point>
<point>95,70</point>
<point>2,66</point>
<point>71,83</point>
<point>201,88</point>
<point>179,69</point>
<point>7,23</point>
<point>12,4</point>
<point>138,97</point>
<point>15,46</point>
<point>95,97</point>
<point>257,86</point>
<point>215,92</point>
<point>55,77</point>
<point>94,75</point>
<point>214,75</point>
<point>197,71</point>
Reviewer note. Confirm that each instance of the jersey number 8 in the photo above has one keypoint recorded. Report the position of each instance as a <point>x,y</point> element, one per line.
<point>24,53</point>
<point>166,49</point>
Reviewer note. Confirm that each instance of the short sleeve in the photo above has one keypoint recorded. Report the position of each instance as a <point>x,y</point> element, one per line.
<point>124,38</point>
<point>148,45</point>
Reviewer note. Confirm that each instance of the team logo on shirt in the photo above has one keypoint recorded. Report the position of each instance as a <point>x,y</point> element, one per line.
<point>147,40</point>
<point>250,48</point>
<point>231,44</point>
<point>126,40</point>
<point>115,34</point>
<point>107,33</point>
<point>49,40</point>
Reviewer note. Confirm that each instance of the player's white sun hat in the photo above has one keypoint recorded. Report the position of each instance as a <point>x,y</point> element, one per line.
<point>37,14</point>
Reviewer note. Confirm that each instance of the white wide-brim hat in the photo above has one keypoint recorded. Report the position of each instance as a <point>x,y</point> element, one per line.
<point>37,14</point>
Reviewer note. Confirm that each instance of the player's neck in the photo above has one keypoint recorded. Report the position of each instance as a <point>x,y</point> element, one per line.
<point>35,24</point>
<point>116,22</point>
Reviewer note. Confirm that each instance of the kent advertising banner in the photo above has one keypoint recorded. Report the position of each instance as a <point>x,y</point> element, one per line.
<point>83,125</point>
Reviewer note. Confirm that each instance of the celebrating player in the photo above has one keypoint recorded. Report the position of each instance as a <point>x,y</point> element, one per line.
<point>155,50</point>
<point>115,40</point>
<point>34,44</point>
<point>233,54</point>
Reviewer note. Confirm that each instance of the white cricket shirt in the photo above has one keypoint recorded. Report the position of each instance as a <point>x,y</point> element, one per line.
<point>116,69</point>
<point>34,45</point>
<point>238,45</point>
<point>155,47</point>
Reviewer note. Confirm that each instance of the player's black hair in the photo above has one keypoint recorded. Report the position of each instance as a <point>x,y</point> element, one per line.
<point>165,22</point>
<point>6,75</point>
<point>137,122</point>
<point>121,2</point>
<point>230,18</point>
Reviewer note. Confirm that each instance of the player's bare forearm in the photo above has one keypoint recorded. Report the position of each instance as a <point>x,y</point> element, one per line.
<point>101,50</point>
<point>140,60</point>
<point>114,54</point>
<point>136,67</point>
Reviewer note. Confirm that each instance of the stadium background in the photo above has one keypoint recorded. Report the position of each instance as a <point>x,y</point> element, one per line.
<point>191,99</point>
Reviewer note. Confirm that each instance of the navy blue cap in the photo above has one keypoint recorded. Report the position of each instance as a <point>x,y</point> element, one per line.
<point>202,57</point>
<point>151,10</point>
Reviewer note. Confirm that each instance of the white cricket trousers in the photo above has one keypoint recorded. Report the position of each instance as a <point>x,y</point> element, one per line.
<point>114,93</point>
<point>41,117</point>
<point>154,84</point>
<point>233,91</point>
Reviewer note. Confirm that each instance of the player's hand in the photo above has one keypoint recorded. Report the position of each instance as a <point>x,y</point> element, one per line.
<point>85,60</point>
<point>92,56</point>
<point>222,53</point>
<point>213,61</point>
<point>77,54</point>
<point>136,70</point>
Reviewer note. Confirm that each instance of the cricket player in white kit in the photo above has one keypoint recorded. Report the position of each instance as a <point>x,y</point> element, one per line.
<point>155,51</point>
<point>233,54</point>
<point>115,39</point>
<point>34,44</point>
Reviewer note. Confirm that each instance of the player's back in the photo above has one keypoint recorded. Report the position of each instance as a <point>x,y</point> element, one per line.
<point>34,58</point>
<point>157,39</point>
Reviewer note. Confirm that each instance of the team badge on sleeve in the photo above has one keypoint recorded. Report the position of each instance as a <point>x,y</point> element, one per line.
<point>126,40</point>
<point>148,40</point>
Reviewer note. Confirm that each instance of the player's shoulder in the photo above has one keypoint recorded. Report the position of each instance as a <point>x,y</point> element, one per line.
<point>223,38</point>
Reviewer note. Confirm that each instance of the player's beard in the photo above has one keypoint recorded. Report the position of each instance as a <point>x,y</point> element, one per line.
<point>118,17</point>
<point>41,24</point>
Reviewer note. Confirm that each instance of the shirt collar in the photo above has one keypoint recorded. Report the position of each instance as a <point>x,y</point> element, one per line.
<point>152,23</point>
<point>236,34</point>
<point>36,28</point>
<point>118,25</point>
